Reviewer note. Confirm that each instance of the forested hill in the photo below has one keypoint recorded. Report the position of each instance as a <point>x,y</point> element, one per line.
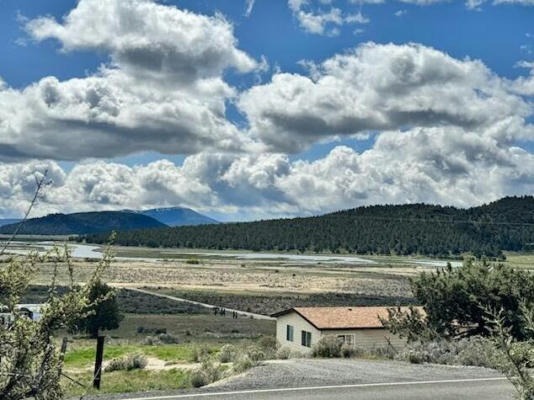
<point>507,224</point>
<point>82,223</point>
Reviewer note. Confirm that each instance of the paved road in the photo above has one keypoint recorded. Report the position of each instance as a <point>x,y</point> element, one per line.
<point>210,306</point>
<point>475,389</point>
<point>342,379</point>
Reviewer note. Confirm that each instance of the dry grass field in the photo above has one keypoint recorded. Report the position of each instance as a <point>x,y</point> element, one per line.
<point>265,276</point>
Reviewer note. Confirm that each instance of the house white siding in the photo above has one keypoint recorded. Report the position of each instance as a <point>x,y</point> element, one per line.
<point>360,338</point>
<point>369,338</point>
<point>299,324</point>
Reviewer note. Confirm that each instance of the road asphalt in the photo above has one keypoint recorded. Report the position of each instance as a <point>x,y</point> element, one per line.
<point>344,379</point>
<point>492,389</point>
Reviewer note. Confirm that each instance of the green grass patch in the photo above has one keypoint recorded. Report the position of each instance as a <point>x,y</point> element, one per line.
<point>84,357</point>
<point>130,381</point>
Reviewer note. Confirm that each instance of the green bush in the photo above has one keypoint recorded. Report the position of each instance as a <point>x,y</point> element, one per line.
<point>193,261</point>
<point>198,379</point>
<point>128,363</point>
<point>327,347</point>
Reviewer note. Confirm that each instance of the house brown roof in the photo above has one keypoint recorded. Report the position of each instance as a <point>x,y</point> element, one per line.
<point>327,318</point>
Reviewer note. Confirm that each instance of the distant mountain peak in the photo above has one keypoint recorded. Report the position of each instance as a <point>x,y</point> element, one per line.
<point>178,216</point>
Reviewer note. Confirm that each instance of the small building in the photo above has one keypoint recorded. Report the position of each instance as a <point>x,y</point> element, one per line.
<point>300,328</point>
<point>31,311</point>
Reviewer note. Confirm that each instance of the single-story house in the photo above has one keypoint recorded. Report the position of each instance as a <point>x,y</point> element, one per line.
<point>300,328</point>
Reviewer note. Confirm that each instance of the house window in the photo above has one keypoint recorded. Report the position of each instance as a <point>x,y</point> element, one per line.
<point>305,338</point>
<point>346,339</point>
<point>289,333</point>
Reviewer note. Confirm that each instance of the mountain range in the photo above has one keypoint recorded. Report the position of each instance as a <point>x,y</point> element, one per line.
<point>106,221</point>
<point>178,216</point>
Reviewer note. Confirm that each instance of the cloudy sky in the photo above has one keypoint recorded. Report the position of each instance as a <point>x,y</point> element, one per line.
<point>246,109</point>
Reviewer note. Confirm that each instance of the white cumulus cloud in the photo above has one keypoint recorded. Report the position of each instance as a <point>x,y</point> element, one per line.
<point>382,87</point>
<point>163,89</point>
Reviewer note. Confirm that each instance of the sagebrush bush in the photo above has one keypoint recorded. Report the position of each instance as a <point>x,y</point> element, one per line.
<point>151,341</point>
<point>474,351</point>
<point>283,353</point>
<point>227,353</point>
<point>255,353</point>
<point>244,363</point>
<point>167,338</point>
<point>128,363</point>
<point>268,343</point>
<point>212,370</point>
<point>208,372</point>
<point>327,347</point>
<point>200,353</point>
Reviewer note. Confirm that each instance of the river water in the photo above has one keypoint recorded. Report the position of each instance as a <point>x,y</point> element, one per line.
<point>79,250</point>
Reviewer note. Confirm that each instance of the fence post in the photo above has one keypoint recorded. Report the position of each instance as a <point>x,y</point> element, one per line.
<point>98,361</point>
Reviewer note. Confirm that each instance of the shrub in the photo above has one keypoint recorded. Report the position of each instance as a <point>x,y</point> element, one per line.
<point>243,363</point>
<point>212,371</point>
<point>268,343</point>
<point>128,363</point>
<point>200,353</point>
<point>151,341</point>
<point>208,372</point>
<point>227,353</point>
<point>255,354</point>
<point>348,351</point>
<point>474,351</point>
<point>167,338</point>
<point>327,347</point>
<point>141,329</point>
<point>283,353</point>
<point>387,352</point>
<point>198,379</point>
<point>193,261</point>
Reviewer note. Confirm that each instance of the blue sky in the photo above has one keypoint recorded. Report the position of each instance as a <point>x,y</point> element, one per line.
<point>499,36</point>
<point>275,37</point>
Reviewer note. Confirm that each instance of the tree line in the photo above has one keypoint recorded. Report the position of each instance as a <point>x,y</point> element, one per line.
<point>432,230</point>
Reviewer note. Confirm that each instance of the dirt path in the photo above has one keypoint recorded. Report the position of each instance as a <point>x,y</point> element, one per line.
<point>210,306</point>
